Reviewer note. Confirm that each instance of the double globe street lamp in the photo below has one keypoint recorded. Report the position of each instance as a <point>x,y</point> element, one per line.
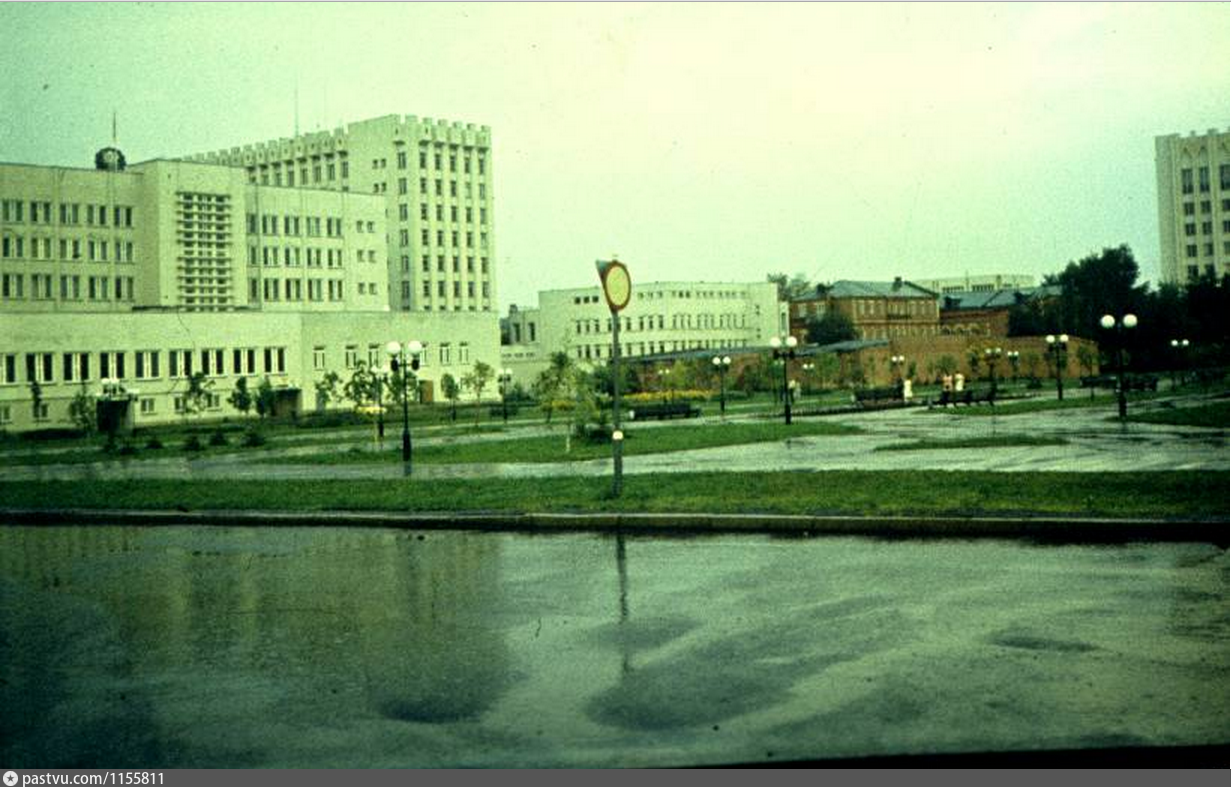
<point>1057,349</point>
<point>722,363</point>
<point>783,349</point>
<point>398,363</point>
<point>1180,347</point>
<point>1125,323</point>
<point>991,355</point>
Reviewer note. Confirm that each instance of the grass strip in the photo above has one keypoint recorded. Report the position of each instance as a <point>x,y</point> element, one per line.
<point>550,448</point>
<point>1167,495</point>
<point>1208,415</point>
<point>989,441</point>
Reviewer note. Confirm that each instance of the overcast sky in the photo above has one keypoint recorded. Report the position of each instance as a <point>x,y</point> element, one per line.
<point>699,141</point>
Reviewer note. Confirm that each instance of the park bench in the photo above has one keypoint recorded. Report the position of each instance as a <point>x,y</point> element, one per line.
<point>872,397</point>
<point>967,397</point>
<point>662,410</point>
<point>1141,382</point>
<point>497,411</point>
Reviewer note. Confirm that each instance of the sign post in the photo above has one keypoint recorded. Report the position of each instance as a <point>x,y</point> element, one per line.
<point>617,289</point>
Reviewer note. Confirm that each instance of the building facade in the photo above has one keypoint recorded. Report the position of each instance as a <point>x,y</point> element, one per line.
<point>1194,222</point>
<point>434,180</point>
<point>982,282</point>
<point>176,235</point>
<point>877,310</point>
<point>660,319</point>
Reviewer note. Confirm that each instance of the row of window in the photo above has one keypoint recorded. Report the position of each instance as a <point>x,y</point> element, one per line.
<point>1194,271</point>
<point>1207,250</point>
<point>454,213</point>
<point>439,190</point>
<point>14,211</point>
<point>291,226</point>
<point>600,351</point>
<point>274,290</point>
<point>353,356</point>
<point>678,294</point>
<point>78,367</point>
<point>658,322</point>
<point>1203,179</point>
<point>1207,228</point>
<point>291,256</point>
<point>96,288</point>
<point>267,173</point>
<point>425,236</point>
<point>15,247</point>
<point>1190,208</point>
<point>440,264</point>
<point>457,289</point>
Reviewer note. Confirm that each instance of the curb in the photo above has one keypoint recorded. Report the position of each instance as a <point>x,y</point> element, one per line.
<point>1064,529</point>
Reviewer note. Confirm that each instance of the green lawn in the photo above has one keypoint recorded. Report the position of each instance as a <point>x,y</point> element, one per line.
<point>550,448</point>
<point>990,441</point>
<point>1177,494</point>
<point>1076,399</point>
<point>1211,415</point>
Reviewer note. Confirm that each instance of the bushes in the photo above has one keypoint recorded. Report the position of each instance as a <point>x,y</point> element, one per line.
<point>253,439</point>
<point>218,438</point>
<point>153,443</point>
<point>193,443</point>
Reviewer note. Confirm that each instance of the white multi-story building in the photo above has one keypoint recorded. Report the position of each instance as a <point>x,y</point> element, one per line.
<point>982,282</point>
<point>1194,223</point>
<point>434,179</point>
<point>661,318</point>
<point>196,237</point>
<point>151,273</point>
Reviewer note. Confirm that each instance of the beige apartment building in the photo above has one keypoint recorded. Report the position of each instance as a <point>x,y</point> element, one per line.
<point>434,180</point>
<point>1194,220</point>
<point>660,319</point>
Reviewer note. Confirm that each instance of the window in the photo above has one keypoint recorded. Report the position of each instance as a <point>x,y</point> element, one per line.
<point>1190,250</point>
<point>445,354</point>
<point>351,356</point>
<point>1186,181</point>
<point>1204,179</point>
<point>1205,206</point>
<point>1190,229</point>
<point>147,406</point>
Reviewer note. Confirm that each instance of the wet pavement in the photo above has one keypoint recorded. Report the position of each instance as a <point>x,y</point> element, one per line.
<point>1095,444</point>
<point>327,647</point>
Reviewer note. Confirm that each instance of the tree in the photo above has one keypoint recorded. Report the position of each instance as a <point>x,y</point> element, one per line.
<point>946,364</point>
<point>790,287</point>
<point>196,396</point>
<point>1087,358</point>
<point>452,391</point>
<point>82,410</point>
<point>973,360</point>
<point>476,380</point>
<point>327,390</point>
<point>554,382</point>
<point>265,398</point>
<point>831,327</point>
<point>241,396</point>
<point>360,388</point>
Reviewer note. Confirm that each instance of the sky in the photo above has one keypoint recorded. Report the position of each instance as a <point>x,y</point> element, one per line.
<point>698,141</point>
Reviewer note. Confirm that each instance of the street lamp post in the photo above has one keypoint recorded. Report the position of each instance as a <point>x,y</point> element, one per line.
<point>809,369</point>
<point>784,350</point>
<point>662,382</point>
<point>505,377</point>
<point>1180,346</point>
<point>722,363</point>
<point>1057,348</point>
<point>397,361</point>
<point>1110,323</point>
<point>381,373</point>
<point>992,355</point>
<point>617,289</point>
<point>895,364</point>
<point>1014,359</point>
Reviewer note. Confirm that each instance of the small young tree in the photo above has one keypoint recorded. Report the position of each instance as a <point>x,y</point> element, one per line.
<point>82,411</point>
<point>973,360</point>
<point>1087,359</point>
<point>265,398</point>
<point>553,382</point>
<point>196,396</point>
<point>327,390</point>
<point>241,397</point>
<point>946,364</point>
<point>476,380</point>
<point>452,392</point>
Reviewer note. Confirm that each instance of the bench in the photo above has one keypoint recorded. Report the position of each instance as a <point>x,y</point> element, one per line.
<point>664,410</point>
<point>870,397</point>
<point>1142,382</point>
<point>497,411</point>
<point>967,397</point>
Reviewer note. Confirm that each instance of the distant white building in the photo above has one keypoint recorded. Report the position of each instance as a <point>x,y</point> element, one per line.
<point>661,318</point>
<point>982,282</point>
<point>1194,185</point>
